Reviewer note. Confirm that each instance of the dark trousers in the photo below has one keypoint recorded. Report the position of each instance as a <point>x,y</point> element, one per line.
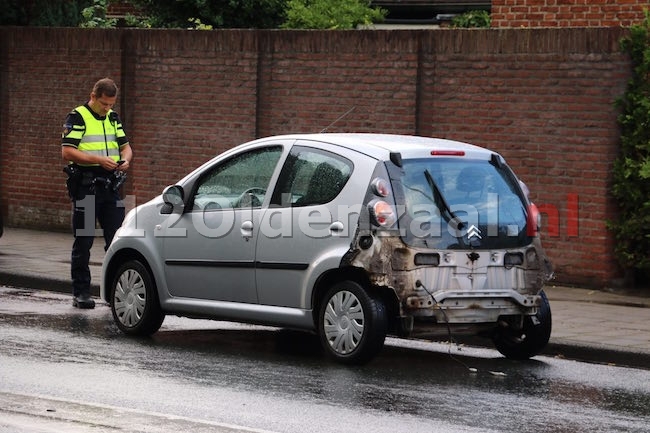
<point>108,210</point>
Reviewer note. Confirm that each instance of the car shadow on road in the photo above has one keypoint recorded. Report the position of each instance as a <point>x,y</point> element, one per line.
<point>286,345</point>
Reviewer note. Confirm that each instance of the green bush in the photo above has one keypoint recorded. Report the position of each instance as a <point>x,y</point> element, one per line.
<point>631,183</point>
<point>200,14</point>
<point>469,19</point>
<point>95,16</point>
<point>331,14</point>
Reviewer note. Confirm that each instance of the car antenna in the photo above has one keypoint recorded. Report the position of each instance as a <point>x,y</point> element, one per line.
<point>340,117</point>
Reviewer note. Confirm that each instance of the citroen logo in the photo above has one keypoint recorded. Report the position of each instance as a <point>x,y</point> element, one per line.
<point>473,231</point>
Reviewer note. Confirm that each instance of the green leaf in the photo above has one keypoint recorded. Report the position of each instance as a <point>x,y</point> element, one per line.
<point>631,170</point>
<point>644,172</point>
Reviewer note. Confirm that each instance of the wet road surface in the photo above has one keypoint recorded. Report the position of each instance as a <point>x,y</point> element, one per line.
<point>63,369</point>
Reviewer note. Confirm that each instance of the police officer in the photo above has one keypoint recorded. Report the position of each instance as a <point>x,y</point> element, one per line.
<point>98,153</point>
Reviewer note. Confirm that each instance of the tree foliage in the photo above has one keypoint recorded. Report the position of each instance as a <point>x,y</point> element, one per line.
<point>95,15</point>
<point>42,13</point>
<point>331,14</point>
<point>208,14</point>
<point>631,187</point>
<point>195,14</point>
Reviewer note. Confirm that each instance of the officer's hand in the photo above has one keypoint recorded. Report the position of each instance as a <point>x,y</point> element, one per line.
<point>124,165</point>
<point>107,163</point>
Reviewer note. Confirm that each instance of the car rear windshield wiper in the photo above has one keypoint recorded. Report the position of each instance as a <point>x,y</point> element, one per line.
<point>442,204</point>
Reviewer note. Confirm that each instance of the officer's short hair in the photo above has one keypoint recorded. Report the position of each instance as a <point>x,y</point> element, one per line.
<point>105,87</point>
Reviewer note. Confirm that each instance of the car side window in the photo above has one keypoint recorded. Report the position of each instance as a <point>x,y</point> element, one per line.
<point>311,177</point>
<point>238,182</point>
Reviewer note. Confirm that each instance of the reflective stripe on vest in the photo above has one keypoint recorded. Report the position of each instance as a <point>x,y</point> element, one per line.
<point>100,137</point>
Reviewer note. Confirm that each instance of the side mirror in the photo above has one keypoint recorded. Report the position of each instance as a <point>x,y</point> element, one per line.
<point>173,196</point>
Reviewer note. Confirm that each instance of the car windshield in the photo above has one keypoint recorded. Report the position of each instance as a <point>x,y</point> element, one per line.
<point>458,203</point>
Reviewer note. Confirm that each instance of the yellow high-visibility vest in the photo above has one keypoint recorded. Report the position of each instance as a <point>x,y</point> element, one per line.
<point>100,136</point>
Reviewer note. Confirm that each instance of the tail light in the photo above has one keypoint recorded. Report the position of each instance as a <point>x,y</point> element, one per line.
<point>383,213</point>
<point>533,221</point>
<point>380,187</point>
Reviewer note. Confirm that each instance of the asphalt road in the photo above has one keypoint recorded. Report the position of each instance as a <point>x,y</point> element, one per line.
<point>67,370</point>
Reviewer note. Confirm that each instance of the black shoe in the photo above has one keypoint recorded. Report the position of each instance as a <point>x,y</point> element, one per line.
<point>83,301</point>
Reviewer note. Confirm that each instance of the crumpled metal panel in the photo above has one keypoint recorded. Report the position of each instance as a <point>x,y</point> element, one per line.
<point>464,279</point>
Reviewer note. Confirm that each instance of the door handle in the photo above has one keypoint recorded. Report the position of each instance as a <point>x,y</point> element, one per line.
<point>337,226</point>
<point>246,229</point>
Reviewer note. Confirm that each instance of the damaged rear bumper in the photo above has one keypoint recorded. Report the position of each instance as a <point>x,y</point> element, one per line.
<point>467,289</point>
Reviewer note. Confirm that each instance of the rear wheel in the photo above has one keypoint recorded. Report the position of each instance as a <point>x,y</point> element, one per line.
<point>352,325</point>
<point>134,300</point>
<point>529,339</point>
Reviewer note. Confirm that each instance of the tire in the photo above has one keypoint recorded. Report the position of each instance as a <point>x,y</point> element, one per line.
<point>134,300</point>
<point>352,325</point>
<point>531,339</point>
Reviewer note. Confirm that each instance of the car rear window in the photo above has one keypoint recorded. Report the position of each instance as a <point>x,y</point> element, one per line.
<point>485,198</point>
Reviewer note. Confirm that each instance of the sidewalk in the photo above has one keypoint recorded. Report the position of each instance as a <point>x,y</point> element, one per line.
<point>592,325</point>
<point>41,260</point>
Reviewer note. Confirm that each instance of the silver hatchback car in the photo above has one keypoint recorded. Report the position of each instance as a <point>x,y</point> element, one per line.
<point>351,236</point>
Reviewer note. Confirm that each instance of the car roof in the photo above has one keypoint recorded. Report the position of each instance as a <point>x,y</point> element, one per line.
<point>380,146</point>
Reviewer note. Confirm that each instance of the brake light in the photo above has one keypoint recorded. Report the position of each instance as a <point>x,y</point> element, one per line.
<point>534,221</point>
<point>383,213</point>
<point>448,153</point>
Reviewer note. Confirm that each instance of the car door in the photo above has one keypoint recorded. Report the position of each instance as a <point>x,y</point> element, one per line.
<point>306,228</point>
<point>210,250</point>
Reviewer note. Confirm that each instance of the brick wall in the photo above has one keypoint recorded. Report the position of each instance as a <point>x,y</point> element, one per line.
<point>120,8</point>
<point>543,98</point>
<point>567,13</point>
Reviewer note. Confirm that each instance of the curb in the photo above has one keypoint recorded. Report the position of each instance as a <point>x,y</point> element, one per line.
<point>596,354</point>
<point>39,282</point>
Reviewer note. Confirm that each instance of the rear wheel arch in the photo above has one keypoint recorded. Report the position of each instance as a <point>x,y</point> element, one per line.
<point>385,294</point>
<point>326,280</point>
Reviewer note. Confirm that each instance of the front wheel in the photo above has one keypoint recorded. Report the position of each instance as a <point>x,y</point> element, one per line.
<point>352,325</point>
<point>530,339</point>
<point>134,300</point>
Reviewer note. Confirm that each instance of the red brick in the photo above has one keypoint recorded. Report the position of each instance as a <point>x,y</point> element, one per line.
<point>567,13</point>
